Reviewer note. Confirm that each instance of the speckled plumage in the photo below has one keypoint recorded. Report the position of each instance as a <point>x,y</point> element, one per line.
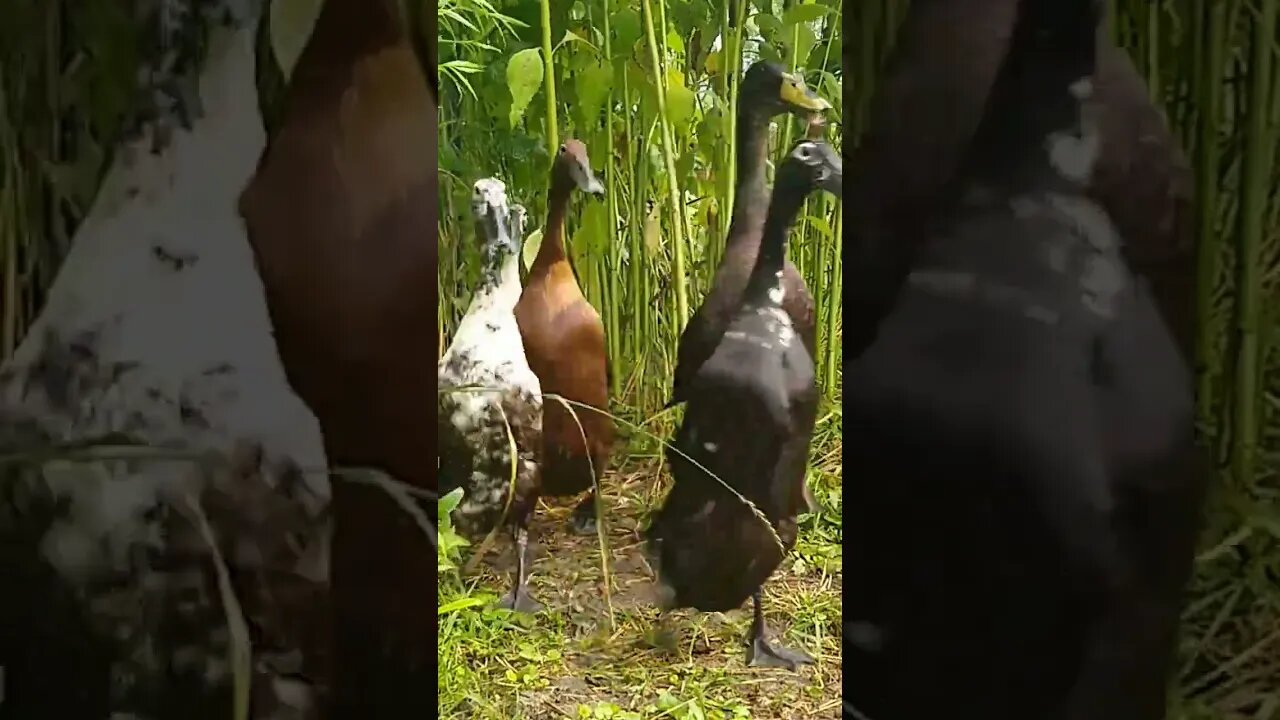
<point>486,385</point>
<point>156,332</point>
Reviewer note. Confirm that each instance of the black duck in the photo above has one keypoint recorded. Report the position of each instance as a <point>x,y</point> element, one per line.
<point>1024,487</point>
<point>751,412</point>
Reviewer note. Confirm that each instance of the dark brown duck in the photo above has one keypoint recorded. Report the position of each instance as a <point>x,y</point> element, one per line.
<point>564,342</point>
<point>766,92</point>
<point>342,216</point>
<point>923,117</point>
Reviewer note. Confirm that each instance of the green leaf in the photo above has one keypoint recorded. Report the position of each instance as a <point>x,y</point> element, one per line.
<point>448,503</point>
<point>459,604</point>
<point>653,232</point>
<point>524,77</point>
<point>591,237</point>
<point>570,35</point>
<point>626,30</point>
<point>800,41</point>
<point>675,43</point>
<point>797,14</point>
<point>819,224</point>
<point>593,85</point>
<point>291,22</point>
<point>769,26</point>
<point>680,101</point>
<point>530,250</point>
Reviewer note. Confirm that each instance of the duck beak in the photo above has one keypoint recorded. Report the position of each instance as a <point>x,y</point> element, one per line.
<point>833,182</point>
<point>594,186</point>
<point>834,179</point>
<point>799,97</point>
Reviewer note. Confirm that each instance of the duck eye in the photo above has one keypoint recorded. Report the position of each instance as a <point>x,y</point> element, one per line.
<point>564,149</point>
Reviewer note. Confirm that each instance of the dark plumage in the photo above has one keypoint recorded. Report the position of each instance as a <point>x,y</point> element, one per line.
<point>564,341</point>
<point>751,412</point>
<point>923,117</point>
<point>765,93</point>
<point>472,424</point>
<point>1024,487</point>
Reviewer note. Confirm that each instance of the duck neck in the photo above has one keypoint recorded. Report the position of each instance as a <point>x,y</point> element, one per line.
<point>765,284</point>
<point>221,147</point>
<point>552,249</point>
<point>750,193</point>
<point>345,31</point>
<point>500,283</point>
<point>1037,123</point>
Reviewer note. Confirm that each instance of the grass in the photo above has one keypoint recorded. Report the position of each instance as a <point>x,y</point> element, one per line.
<point>572,662</point>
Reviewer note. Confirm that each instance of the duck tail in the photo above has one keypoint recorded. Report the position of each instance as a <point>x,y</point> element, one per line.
<point>1037,118</point>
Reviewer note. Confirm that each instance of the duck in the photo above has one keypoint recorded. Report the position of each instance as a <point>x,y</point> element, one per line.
<point>565,345</point>
<point>1026,407</point>
<point>155,334</point>
<point>766,92</point>
<point>922,118</point>
<point>749,421</point>
<point>487,353</point>
<point>341,215</point>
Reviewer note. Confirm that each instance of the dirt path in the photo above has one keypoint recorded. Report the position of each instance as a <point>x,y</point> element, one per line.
<point>572,663</point>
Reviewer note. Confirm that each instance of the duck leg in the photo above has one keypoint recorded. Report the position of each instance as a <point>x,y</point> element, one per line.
<point>584,516</point>
<point>520,599</point>
<point>762,653</point>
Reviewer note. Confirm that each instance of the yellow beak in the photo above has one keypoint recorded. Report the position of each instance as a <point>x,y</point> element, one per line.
<point>795,93</point>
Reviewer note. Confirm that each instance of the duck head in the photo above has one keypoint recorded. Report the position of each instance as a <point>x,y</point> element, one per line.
<point>812,164</point>
<point>707,551</point>
<point>573,165</point>
<point>766,84</point>
<point>494,216</point>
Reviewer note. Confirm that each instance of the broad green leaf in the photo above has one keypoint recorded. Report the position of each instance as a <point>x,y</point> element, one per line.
<point>680,101</point>
<point>524,77</point>
<point>448,503</point>
<point>626,29</point>
<point>591,237</point>
<point>797,14</point>
<point>819,224</point>
<point>675,43</point>
<point>530,250</point>
<point>653,231</point>
<point>713,61</point>
<point>291,22</point>
<point>593,85</point>
<point>770,53</point>
<point>769,25</point>
<point>800,41</point>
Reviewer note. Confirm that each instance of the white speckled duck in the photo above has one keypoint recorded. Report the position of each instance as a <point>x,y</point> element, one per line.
<point>485,384</point>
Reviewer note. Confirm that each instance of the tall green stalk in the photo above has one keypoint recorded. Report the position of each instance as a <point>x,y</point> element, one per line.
<point>1209,245</point>
<point>549,77</point>
<point>1257,172</point>
<point>669,163</point>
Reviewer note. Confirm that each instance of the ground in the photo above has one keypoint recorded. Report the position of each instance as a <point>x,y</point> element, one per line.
<point>570,662</point>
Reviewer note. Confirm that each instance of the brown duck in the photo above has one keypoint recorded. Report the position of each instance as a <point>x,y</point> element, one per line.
<point>923,118</point>
<point>564,343</point>
<point>766,92</point>
<point>342,216</point>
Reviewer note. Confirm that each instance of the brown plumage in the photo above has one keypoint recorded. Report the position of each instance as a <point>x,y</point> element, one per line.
<point>564,342</point>
<point>926,111</point>
<point>766,92</point>
<point>342,218</point>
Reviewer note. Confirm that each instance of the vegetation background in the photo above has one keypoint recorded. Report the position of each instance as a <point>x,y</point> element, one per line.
<point>519,74</point>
